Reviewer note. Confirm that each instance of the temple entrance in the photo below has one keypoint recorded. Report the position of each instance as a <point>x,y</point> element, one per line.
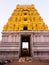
<point>25,45</point>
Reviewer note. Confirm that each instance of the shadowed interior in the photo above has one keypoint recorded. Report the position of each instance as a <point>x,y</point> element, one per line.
<point>25,50</point>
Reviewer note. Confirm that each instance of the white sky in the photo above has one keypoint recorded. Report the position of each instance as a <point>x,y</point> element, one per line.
<point>7,7</point>
<point>25,45</point>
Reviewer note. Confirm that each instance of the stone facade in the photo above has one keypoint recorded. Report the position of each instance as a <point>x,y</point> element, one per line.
<point>11,44</point>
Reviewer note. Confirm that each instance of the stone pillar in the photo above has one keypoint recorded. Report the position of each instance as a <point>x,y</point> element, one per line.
<point>31,44</point>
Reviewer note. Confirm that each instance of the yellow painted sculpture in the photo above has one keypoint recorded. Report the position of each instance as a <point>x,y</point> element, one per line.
<point>25,17</point>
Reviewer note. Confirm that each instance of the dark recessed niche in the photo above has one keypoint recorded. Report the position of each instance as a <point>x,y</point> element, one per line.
<point>25,10</point>
<point>25,28</point>
<point>36,24</point>
<point>14,24</point>
<point>16,19</point>
<point>25,13</point>
<point>25,19</point>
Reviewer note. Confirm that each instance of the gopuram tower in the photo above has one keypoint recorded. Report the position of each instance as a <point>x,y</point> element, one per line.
<point>25,17</point>
<point>25,34</point>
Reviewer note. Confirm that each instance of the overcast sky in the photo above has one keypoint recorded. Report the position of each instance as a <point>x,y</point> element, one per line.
<point>7,7</point>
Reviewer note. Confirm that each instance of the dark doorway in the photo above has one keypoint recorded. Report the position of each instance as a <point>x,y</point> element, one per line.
<point>25,45</point>
<point>25,28</point>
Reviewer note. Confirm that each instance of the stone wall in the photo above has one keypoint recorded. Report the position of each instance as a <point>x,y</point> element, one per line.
<point>41,45</point>
<point>11,44</point>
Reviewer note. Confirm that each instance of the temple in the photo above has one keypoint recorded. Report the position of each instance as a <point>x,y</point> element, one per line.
<point>25,35</point>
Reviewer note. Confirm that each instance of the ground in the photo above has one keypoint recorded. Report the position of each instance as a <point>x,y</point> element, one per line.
<point>29,61</point>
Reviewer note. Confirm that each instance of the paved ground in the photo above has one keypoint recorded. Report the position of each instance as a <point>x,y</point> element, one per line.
<point>28,61</point>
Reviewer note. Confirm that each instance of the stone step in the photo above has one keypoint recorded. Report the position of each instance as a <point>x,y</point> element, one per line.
<point>23,59</point>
